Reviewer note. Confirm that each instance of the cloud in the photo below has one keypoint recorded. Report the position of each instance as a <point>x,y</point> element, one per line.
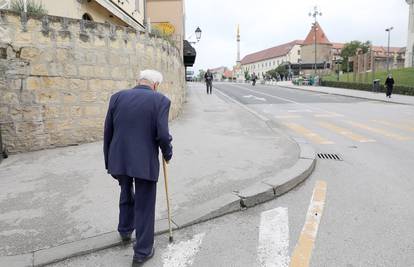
<point>267,23</point>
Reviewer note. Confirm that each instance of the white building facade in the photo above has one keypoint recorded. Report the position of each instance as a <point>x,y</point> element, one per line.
<point>269,59</point>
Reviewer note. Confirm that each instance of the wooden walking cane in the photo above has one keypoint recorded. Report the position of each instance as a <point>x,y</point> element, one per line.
<point>164,164</point>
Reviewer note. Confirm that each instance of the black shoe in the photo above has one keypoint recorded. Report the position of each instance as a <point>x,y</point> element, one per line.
<point>125,237</point>
<point>139,262</point>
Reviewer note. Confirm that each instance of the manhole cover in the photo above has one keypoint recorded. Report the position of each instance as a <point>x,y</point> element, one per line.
<point>329,156</point>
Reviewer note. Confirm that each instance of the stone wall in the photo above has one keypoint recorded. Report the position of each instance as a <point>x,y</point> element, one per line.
<point>57,75</point>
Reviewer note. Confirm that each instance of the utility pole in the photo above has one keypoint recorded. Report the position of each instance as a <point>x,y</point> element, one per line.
<point>388,51</point>
<point>315,15</point>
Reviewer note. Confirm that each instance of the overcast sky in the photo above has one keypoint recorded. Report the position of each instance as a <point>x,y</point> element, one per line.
<point>267,23</point>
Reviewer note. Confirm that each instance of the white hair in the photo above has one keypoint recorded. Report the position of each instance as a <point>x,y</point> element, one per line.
<point>152,76</point>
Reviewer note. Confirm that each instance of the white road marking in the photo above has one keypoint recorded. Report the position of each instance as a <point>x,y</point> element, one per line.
<point>273,248</point>
<point>182,254</point>
<point>257,114</point>
<point>281,98</point>
<point>300,111</point>
<point>255,97</point>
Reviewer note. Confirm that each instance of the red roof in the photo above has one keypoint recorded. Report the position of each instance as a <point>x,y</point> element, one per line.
<point>269,53</point>
<point>320,36</point>
<point>228,74</point>
<point>374,48</point>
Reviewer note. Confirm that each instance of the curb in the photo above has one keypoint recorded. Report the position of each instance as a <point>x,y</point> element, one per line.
<point>266,190</point>
<point>330,93</point>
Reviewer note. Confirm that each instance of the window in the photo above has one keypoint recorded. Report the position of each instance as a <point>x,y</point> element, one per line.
<point>86,16</point>
<point>299,52</point>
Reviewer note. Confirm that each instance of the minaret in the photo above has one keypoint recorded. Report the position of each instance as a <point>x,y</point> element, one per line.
<point>238,45</point>
<point>409,54</point>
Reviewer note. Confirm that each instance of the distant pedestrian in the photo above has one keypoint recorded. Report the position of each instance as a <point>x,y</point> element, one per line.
<point>389,83</point>
<point>136,127</point>
<point>208,76</point>
<point>254,78</point>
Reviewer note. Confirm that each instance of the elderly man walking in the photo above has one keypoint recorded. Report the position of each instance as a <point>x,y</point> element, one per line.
<point>136,126</point>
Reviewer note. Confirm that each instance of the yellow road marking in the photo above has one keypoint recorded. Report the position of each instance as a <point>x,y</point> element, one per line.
<point>391,124</point>
<point>345,132</point>
<point>302,254</point>
<point>314,137</point>
<point>379,131</point>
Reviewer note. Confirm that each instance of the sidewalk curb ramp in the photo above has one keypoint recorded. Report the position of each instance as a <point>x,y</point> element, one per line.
<point>342,94</point>
<point>260,192</point>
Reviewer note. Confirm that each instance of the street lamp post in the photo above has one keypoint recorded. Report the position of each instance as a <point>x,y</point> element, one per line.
<point>388,50</point>
<point>315,15</point>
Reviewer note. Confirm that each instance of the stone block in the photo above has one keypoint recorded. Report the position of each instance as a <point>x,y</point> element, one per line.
<point>42,38</point>
<point>39,70</point>
<point>77,248</point>
<point>256,194</point>
<point>23,37</point>
<point>69,97</point>
<point>55,83</point>
<point>70,70</point>
<point>9,98</point>
<point>224,204</point>
<point>48,97</point>
<point>30,53</point>
<point>33,83</point>
<point>115,44</point>
<point>50,112</point>
<point>88,96</point>
<point>102,72</point>
<point>306,151</point>
<point>77,84</point>
<point>62,55</point>
<point>32,114</point>
<point>86,71</point>
<point>63,39</point>
<point>92,111</point>
<point>100,42</point>
<point>287,179</point>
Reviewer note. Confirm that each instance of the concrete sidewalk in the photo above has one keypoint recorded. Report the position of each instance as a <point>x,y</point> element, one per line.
<point>397,99</point>
<point>54,197</point>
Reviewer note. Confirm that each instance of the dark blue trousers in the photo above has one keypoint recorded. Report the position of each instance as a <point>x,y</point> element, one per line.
<point>137,211</point>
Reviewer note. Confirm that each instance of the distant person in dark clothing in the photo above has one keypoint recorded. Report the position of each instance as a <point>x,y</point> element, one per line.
<point>389,83</point>
<point>208,77</point>
<point>254,78</point>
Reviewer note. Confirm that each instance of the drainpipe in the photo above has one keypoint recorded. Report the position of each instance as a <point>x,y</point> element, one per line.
<point>145,14</point>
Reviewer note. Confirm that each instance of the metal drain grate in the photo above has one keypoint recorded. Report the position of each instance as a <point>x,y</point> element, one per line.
<point>329,156</point>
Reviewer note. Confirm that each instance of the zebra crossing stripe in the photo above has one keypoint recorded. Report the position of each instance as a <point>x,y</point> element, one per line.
<point>182,254</point>
<point>273,248</point>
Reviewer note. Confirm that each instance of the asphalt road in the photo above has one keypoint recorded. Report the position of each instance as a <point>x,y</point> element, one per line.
<point>368,211</point>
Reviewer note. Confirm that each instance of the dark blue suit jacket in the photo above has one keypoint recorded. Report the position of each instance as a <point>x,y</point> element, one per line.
<point>136,126</point>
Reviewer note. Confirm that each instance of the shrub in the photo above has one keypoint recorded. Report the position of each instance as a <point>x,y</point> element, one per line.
<point>33,7</point>
<point>403,90</point>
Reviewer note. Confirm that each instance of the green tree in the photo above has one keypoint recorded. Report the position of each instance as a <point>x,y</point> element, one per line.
<point>246,75</point>
<point>33,7</point>
<point>201,74</point>
<point>272,74</point>
<point>350,49</point>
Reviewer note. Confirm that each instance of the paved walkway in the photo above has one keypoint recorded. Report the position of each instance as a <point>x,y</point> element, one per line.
<point>399,99</point>
<point>61,195</point>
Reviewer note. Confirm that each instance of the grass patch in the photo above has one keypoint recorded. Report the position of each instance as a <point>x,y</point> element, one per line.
<point>402,77</point>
